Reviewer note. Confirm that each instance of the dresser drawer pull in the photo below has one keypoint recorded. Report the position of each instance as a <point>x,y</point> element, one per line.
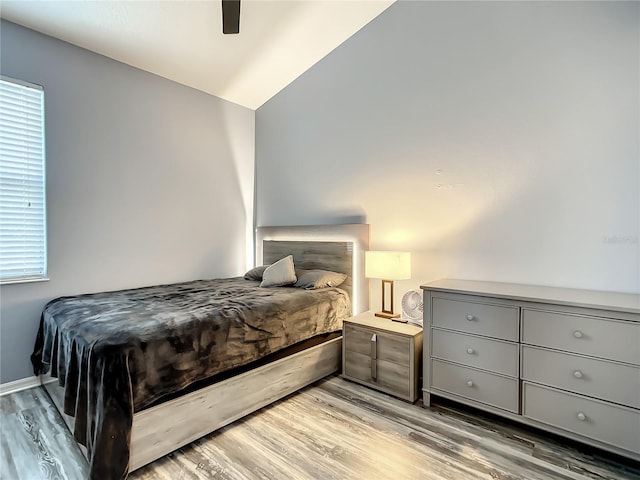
<point>581,416</point>
<point>470,351</point>
<point>374,355</point>
<point>470,317</point>
<point>578,374</point>
<point>469,383</point>
<point>578,334</point>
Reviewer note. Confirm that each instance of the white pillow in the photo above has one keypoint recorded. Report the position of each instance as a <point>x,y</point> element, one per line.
<point>280,273</point>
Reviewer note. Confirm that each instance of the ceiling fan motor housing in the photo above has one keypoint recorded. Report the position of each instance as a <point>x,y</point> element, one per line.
<point>230,16</point>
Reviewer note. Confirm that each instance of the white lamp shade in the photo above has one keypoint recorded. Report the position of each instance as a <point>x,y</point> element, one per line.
<point>387,265</point>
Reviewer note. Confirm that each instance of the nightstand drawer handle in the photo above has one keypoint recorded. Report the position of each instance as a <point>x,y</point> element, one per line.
<point>578,374</point>
<point>470,351</point>
<point>581,416</point>
<point>469,383</point>
<point>578,334</point>
<point>374,355</point>
<point>470,317</point>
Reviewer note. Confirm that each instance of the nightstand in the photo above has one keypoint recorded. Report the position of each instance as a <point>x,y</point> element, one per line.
<point>382,354</point>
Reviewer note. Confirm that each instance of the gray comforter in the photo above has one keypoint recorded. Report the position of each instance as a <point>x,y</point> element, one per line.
<point>117,352</point>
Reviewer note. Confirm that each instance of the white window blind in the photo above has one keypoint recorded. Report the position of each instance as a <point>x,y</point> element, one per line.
<point>23,248</point>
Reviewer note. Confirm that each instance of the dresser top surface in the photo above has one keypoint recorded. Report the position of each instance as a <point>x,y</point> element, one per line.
<point>613,301</point>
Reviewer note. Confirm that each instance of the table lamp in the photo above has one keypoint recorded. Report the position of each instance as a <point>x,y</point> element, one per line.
<point>388,266</point>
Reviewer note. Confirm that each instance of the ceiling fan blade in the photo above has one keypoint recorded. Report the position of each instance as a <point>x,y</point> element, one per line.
<point>230,16</point>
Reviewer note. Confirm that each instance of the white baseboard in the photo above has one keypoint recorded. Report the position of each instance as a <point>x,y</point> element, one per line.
<point>24,384</point>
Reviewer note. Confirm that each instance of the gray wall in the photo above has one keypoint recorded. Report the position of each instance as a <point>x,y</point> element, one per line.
<point>148,182</point>
<point>493,140</point>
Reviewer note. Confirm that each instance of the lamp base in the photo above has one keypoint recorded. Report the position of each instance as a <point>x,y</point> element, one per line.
<point>388,316</point>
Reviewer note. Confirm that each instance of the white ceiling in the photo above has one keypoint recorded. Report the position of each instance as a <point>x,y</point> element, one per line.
<point>183,41</point>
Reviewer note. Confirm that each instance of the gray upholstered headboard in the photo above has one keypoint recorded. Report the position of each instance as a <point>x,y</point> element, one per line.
<point>339,248</point>
<point>333,256</point>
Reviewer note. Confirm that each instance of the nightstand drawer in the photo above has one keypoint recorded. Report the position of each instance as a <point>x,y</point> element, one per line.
<point>599,337</point>
<point>387,347</point>
<point>487,388</point>
<point>604,379</point>
<point>487,354</point>
<point>597,420</point>
<point>390,376</point>
<point>496,321</point>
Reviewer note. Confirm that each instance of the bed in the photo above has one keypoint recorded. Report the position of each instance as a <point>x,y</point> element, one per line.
<point>200,354</point>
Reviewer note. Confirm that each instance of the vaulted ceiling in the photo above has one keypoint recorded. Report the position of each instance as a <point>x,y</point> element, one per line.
<point>183,40</point>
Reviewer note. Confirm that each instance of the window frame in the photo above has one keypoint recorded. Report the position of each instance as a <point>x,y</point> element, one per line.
<point>42,274</point>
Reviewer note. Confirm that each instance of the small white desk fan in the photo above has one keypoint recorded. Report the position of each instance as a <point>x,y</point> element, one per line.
<point>412,307</point>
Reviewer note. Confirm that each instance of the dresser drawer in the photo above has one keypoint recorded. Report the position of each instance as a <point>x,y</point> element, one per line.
<point>482,319</point>
<point>615,382</point>
<point>389,376</point>
<point>599,337</point>
<point>612,424</point>
<point>487,354</point>
<point>391,348</point>
<point>487,388</point>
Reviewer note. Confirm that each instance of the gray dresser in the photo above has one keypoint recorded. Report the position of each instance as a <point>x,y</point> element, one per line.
<point>564,360</point>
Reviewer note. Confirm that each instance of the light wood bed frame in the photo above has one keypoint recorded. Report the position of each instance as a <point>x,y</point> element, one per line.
<point>164,428</point>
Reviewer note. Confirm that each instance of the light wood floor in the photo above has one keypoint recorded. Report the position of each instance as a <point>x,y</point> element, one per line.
<point>332,430</point>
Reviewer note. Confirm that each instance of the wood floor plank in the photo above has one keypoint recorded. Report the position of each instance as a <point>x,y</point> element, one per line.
<point>19,401</point>
<point>334,429</point>
<point>402,441</point>
<point>36,440</point>
<point>8,468</point>
<point>26,450</point>
<point>482,431</point>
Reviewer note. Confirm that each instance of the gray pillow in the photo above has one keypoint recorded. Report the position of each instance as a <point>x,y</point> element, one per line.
<point>312,279</point>
<point>255,273</point>
<point>280,273</point>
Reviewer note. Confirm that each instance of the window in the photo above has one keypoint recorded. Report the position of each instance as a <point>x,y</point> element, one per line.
<point>23,247</point>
